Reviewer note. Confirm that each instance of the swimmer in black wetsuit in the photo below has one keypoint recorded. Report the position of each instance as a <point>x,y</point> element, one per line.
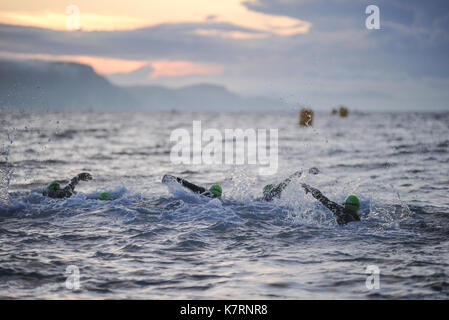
<point>53,190</point>
<point>344,214</point>
<point>213,192</point>
<point>272,191</point>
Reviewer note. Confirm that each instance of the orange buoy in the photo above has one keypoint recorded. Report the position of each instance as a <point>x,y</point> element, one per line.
<point>343,111</point>
<point>305,117</point>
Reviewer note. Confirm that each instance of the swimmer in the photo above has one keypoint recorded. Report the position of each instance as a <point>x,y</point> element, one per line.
<point>54,190</point>
<point>272,191</point>
<point>344,213</point>
<point>213,192</point>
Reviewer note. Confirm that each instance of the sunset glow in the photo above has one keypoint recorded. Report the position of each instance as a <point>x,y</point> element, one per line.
<point>114,15</point>
<point>162,68</point>
<point>166,68</point>
<point>57,21</point>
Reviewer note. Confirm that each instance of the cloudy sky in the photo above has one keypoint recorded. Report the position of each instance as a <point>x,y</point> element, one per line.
<point>309,52</point>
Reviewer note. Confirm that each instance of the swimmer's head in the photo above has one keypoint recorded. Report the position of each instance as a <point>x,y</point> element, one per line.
<point>267,188</point>
<point>54,186</point>
<point>216,190</point>
<point>352,203</point>
<point>104,196</point>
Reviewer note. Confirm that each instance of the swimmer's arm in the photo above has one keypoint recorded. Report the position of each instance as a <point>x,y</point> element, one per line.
<point>276,191</point>
<point>336,209</point>
<point>70,188</point>
<point>191,186</point>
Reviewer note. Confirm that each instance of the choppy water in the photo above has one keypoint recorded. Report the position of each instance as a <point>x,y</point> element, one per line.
<point>157,243</point>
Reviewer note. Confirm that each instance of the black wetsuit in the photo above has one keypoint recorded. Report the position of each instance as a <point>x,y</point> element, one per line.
<point>193,187</point>
<point>66,192</point>
<point>276,191</point>
<point>342,214</point>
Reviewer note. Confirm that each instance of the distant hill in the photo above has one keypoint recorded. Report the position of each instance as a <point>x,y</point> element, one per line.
<point>197,97</point>
<point>58,85</point>
<point>73,86</point>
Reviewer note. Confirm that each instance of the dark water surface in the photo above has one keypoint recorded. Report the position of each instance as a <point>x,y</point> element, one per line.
<point>156,242</point>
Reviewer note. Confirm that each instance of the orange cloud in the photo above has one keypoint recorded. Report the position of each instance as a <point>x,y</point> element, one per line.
<point>99,64</point>
<point>231,34</point>
<point>88,21</point>
<point>167,68</point>
<point>107,65</point>
<point>119,15</point>
<point>162,68</point>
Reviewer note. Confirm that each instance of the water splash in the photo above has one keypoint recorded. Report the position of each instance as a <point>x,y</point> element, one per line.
<point>6,169</point>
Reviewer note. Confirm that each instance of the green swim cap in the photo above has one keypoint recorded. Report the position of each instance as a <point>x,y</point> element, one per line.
<point>352,203</point>
<point>104,196</point>
<point>54,186</point>
<point>216,190</point>
<point>267,188</point>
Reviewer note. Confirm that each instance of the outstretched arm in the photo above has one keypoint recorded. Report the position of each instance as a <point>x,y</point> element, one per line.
<point>336,209</point>
<point>189,185</point>
<point>70,188</point>
<point>277,190</point>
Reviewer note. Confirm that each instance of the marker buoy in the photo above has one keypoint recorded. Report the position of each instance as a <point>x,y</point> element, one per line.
<point>343,111</point>
<point>305,117</point>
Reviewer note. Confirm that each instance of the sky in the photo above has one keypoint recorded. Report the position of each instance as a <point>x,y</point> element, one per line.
<point>304,52</point>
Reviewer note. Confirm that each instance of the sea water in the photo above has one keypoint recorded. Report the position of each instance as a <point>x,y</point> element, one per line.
<point>157,241</point>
